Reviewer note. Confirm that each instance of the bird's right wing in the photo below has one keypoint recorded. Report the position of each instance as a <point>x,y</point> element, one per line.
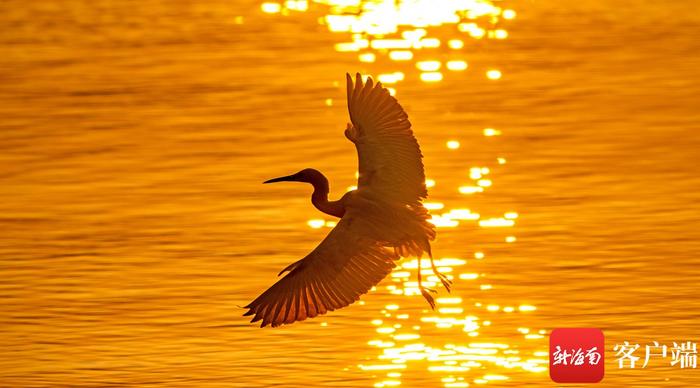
<point>344,266</point>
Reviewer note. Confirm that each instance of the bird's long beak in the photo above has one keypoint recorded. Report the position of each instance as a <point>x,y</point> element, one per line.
<point>288,178</point>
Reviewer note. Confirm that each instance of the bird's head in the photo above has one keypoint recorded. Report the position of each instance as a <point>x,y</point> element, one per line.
<point>308,175</point>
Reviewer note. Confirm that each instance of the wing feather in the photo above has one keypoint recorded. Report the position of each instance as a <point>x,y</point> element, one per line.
<point>390,161</point>
<point>320,303</point>
<point>344,266</point>
<point>279,310</point>
<point>297,303</point>
<point>289,314</point>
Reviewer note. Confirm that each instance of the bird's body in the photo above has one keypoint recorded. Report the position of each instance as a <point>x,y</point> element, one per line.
<point>379,222</point>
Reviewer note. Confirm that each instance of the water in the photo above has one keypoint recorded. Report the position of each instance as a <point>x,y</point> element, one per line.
<point>134,139</point>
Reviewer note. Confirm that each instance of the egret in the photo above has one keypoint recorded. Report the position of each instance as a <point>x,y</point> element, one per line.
<point>380,222</point>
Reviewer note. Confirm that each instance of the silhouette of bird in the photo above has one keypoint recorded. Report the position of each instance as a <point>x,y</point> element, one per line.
<point>380,221</point>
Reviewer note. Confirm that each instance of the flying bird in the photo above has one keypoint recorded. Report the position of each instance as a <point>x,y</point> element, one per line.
<point>381,221</point>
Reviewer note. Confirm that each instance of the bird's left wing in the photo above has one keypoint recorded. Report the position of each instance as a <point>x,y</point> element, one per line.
<point>346,264</point>
<point>389,157</point>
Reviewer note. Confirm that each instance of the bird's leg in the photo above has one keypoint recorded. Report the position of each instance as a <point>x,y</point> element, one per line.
<point>425,291</point>
<point>445,281</point>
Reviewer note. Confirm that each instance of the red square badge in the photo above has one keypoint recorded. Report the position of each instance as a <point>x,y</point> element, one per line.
<point>576,355</point>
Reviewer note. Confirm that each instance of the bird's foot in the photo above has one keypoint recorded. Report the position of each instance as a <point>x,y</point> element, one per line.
<point>445,281</point>
<point>428,297</point>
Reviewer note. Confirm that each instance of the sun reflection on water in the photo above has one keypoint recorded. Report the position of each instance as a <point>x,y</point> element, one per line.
<point>444,342</point>
<point>434,33</point>
<point>461,341</point>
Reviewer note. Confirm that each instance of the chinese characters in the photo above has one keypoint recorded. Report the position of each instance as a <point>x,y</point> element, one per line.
<point>684,354</point>
<point>576,356</point>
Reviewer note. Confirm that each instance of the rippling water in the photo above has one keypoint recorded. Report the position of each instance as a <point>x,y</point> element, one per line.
<point>560,141</point>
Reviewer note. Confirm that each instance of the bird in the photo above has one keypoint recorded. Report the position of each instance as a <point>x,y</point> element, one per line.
<point>382,220</point>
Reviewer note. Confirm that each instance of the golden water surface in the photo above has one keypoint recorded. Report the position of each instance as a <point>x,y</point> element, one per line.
<point>561,144</point>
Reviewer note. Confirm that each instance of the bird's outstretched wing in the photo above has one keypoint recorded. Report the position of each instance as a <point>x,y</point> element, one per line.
<point>346,264</point>
<point>389,156</point>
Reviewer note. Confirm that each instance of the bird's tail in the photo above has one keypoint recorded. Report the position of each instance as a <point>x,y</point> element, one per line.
<point>427,227</point>
<point>413,248</point>
<point>417,242</point>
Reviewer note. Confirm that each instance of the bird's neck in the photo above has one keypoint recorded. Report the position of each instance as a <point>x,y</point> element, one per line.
<point>319,199</point>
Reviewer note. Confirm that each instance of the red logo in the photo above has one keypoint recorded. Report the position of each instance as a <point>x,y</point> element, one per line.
<point>576,355</point>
